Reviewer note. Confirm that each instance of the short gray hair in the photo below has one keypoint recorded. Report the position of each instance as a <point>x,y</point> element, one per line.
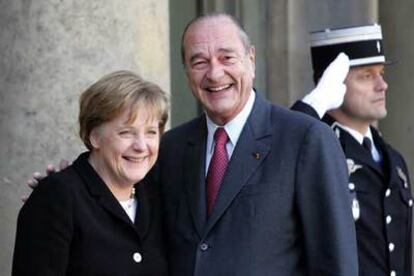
<point>242,32</point>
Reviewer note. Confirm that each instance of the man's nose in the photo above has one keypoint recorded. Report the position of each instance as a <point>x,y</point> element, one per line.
<point>215,70</point>
<point>381,84</point>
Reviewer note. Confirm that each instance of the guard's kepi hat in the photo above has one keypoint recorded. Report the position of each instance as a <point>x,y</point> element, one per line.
<point>362,44</point>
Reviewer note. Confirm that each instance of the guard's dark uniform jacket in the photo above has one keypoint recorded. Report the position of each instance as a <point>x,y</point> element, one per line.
<point>381,203</point>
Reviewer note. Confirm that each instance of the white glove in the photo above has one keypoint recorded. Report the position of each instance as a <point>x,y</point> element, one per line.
<point>330,90</point>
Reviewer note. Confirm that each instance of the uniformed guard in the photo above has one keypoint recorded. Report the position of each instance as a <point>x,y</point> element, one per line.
<point>379,183</point>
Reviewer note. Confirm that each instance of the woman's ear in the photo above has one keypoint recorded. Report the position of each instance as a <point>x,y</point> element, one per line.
<point>94,138</point>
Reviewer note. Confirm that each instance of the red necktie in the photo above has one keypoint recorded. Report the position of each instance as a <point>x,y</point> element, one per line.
<point>217,168</point>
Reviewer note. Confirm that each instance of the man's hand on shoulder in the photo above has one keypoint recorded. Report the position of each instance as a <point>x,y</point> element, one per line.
<point>330,91</point>
<point>37,176</point>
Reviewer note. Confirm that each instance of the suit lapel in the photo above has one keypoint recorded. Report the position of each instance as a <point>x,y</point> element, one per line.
<point>99,191</point>
<point>112,206</point>
<point>389,164</point>
<point>356,152</point>
<point>143,215</point>
<point>352,149</point>
<point>194,165</point>
<point>251,149</point>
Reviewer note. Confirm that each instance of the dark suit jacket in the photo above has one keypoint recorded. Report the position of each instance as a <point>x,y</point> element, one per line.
<point>73,225</point>
<point>385,216</point>
<point>282,209</point>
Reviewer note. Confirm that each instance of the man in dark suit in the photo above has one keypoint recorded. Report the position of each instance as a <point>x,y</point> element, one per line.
<point>272,199</point>
<point>378,176</point>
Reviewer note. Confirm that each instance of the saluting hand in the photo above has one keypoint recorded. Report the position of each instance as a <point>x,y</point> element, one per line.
<point>330,91</point>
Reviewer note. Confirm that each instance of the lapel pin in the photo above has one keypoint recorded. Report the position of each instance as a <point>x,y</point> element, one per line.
<point>335,128</point>
<point>352,167</point>
<point>403,177</point>
<point>256,155</point>
<point>337,133</point>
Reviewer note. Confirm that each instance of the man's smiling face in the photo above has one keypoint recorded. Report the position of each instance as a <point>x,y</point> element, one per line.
<point>219,68</point>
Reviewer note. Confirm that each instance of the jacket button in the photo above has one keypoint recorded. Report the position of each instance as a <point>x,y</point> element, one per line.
<point>410,203</point>
<point>391,246</point>
<point>203,246</point>
<point>388,219</point>
<point>388,192</point>
<point>351,186</point>
<point>137,257</point>
<point>393,273</point>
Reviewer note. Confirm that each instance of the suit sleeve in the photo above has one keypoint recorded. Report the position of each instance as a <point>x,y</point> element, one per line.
<point>324,205</point>
<point>305,108</point>
<point>44,231</point>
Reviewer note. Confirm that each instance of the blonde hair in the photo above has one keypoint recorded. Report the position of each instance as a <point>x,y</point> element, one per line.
<point>113,94</point>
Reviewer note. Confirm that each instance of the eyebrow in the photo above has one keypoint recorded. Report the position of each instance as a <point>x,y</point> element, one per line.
<point>226,50</point>
<point>196,56</point>
<point>220,50</point>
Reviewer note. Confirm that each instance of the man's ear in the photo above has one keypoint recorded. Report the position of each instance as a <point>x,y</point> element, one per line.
<point>252,54</point>
<point>252,57</point>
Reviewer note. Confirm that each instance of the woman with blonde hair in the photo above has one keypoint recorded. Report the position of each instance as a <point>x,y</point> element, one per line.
<point>99,216</point>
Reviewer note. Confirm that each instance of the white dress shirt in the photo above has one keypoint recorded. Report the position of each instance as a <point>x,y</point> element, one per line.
<point>233,129</point>
<point>130,207</point>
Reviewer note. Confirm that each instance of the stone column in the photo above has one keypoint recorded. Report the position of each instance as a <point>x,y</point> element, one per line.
<point>288,57</point>
<point>184,106</point>
<point>50,52</point>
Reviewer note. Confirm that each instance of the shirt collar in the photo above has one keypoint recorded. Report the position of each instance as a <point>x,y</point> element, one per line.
<point>234,127</point>
<point>357,135</point>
